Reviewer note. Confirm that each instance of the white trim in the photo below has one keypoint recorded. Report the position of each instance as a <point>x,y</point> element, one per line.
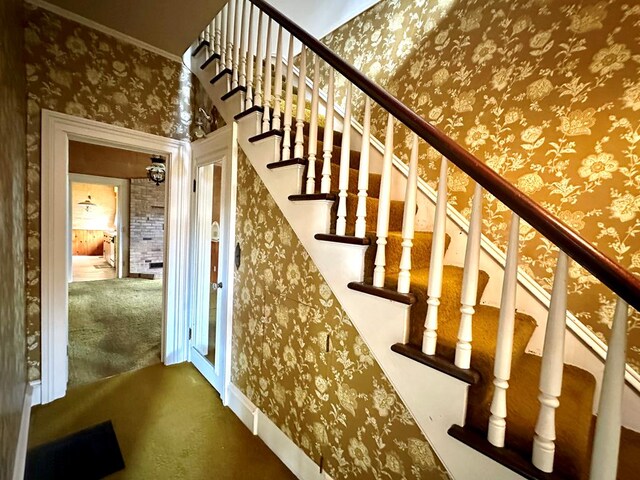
<point>103,28</point>
<point>285,449</point>
<point>23,436</point>
<point>57,130</point>
<point>36,392</point>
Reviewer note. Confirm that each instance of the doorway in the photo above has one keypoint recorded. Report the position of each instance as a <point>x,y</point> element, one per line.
<point>213,248</point>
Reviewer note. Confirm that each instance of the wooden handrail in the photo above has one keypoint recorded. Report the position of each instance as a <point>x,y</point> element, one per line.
<point>609,272</point>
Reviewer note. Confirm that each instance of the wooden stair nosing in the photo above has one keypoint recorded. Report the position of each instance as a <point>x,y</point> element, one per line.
<point>504,456</point>
<point>215,56</point>
<point>286,163</point>
<point>232,92</point>
<point>313,196</point>
<point>221,74</point>
<point>386,293</point>
<point>348,239</point>
<point>267,134</point>
<point>248,111</point>
<point>200,46</point>
<point>440,363</point>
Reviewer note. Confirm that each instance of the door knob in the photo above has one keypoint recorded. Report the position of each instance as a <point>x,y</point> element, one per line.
<point>216,286</point>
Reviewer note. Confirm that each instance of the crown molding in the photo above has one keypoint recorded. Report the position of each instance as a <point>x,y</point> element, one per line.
<point>102,28</point>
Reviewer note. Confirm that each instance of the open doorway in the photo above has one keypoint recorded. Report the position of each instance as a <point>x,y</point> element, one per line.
<point>117,261</point>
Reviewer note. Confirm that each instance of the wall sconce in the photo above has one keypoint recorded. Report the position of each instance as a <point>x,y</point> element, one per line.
<point>199,131</point>
<point>87,204</point>
<point>156,171</point>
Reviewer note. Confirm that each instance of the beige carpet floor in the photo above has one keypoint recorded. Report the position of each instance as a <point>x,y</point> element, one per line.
<point>114,326</point>
<point>170,424</point>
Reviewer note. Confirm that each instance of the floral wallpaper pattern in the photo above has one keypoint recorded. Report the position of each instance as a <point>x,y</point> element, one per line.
<point>337,404</point>
<point>76,70</point>
<point>13,368</point>
<point>546,92</point>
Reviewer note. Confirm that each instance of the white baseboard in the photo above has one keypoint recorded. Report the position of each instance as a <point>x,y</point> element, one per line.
<point>36,392</point>
<point>23,435</point>
<point>288,452</point>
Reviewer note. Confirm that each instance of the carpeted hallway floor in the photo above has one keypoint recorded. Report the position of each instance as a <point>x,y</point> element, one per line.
<point>170,424</point>
<point>114,326</point>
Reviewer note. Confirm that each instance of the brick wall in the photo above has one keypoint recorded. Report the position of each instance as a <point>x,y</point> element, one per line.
<point>146,226</point>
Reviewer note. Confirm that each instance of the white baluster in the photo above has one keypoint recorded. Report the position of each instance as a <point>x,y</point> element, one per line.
<point>313,128</point>
<point>242,74</point>
<point>259,65</point>
<point>504,345</point>
<point>408,220</point>
<point>288,104</point>
<point>298,151</point>
<point>223,39</point>
<point>278,82</point>
<point>209,38</point>
<point>606,442</point>
<point>327,142</point>
<point>384,204</point>
<point>343,178</point>
<point>551,369</point>
<point>266,115</point>
<point>217,31</point>
<point>470,282</point>
<point>249,61</point>
<point>436,264</point>
<point>236,44</point>
<point>363,172</point>
<point>230,12</point>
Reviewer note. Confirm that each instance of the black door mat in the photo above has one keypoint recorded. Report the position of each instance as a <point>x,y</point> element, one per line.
<point>89,454</point>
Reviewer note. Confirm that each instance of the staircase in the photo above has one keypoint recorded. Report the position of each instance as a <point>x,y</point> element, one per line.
<point>461,367</point>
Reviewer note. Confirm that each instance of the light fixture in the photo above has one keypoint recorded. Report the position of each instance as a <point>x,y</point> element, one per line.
<point>156,171</point>
<point>199,131</point>
<point>87,204</point>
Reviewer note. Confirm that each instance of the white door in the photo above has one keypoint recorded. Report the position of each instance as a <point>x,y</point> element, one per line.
<point>212,270</point>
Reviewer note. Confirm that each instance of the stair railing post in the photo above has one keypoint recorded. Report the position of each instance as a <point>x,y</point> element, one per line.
<point>436,264</point>
<point>257,100</point>
<point>343,177</point>
<point>313,128</point>
<point>298,151</point>
<point>327,143</point>
<point>236,44</point>
<point>363,172</point>
<point>551,369</point>
<point>249,60</point>
<point>384,205</point>
<point>408,220</point>
<point>277,108</point>
<point>242,74</point>
<point>266,114</point>
<point>209,39</point>
<point>469,293</point>
<point>606,442</point>
<point>230,12</point>
<point>224,32</point>
<point>504,345</point>
<point>288,104</point>
<point>217,30</point>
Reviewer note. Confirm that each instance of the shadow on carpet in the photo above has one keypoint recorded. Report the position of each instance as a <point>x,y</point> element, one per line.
<point>114,326</point>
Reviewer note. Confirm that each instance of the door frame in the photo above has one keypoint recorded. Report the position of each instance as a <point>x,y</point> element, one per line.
<point>57,130</point>
<point>122,219</point>
<point>219,145</point>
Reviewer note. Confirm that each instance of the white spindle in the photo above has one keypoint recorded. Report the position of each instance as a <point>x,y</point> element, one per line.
<point>224,32</point>
<point>249,60</point>
<point>209,38</point>
<point>606,442</point>
<point>327,142</point>
<point>266,114</point>
<point>551,369</point>
<point>288,104</point>
<point>278,82</point>
<point>408,220</point>
<point>313,128</point>
<point>236,44</point>
<point>242,74</point>
<point>259,66</point>
<point>363,172</point>
<point>470,282</point>
<point>504,345</point>
<point>217,30</point>
<point>230,12</point>
<point>384,204</point>
<point>436,264</point>
<point>343,178</point>
<point>298,151</point>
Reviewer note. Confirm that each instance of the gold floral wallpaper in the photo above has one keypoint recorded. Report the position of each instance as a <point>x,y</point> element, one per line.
<point>13,364</point>
<point>546,92</point>
<point>74,69</point>
<point>337,404</point>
